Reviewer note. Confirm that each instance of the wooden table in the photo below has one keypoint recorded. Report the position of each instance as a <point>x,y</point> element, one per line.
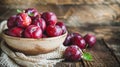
<point>106,52</point>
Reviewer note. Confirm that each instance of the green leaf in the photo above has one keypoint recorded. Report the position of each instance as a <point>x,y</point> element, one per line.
<point>87,56</point>
<point>19,11</point>
<point>31,14</point>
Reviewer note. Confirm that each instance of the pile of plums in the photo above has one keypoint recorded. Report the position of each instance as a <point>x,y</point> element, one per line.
<point>76,43</point>
<point>29,23</point>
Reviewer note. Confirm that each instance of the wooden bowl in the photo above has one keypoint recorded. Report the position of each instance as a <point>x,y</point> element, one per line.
<point>34,46</point>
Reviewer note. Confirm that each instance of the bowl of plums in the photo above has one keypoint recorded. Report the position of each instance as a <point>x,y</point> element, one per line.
<point>32,32</point>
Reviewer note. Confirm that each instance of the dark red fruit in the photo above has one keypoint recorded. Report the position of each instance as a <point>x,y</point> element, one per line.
<point>44,36</point>
<point>53,31</point>
<point>32,12</point>
<point>50,18</point>
<point>15,31</point>
<point>11,21</point>
<point>76,34</point>
<point>90,39</point>
<point>39,22</point>
<point>80,42</point>
<point>72,53</point>
<point>68,41</point>
<point>62,25</point>
<point>33,31</point>
<point>23,20</point>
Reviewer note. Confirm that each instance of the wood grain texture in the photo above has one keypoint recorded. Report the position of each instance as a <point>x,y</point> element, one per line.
<point>114,47</point>
<point>106,32</point>
<point>94,14</point>
<point>69,64</point>
<point>102,56</point>
<point>113,43</point>
<point>26,3</point>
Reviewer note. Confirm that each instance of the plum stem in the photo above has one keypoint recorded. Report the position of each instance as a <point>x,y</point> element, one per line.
<point>80,50</point>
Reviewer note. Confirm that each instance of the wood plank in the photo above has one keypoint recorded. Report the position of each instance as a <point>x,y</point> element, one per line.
<point>2,12</point>
<point>108,32</point>
<point>9,13</point>
<point>105,32</point>
<point>114,46</point>
<point>69,64</point>
<point>30,3</point>
<point>92,14</point>
<point>102,56</point>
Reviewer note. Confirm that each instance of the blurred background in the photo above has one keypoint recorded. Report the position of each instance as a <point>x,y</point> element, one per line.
<point>95,16</point>
<point>73,12</point>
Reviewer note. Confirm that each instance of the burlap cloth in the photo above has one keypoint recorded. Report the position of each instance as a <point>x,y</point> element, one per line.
<point>10,58</point>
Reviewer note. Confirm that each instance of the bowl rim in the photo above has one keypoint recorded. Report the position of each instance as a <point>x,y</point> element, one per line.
<point>18,38</point>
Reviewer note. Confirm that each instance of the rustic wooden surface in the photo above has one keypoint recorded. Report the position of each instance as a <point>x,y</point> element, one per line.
<point>106,52</point>
<point>26,3</point>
